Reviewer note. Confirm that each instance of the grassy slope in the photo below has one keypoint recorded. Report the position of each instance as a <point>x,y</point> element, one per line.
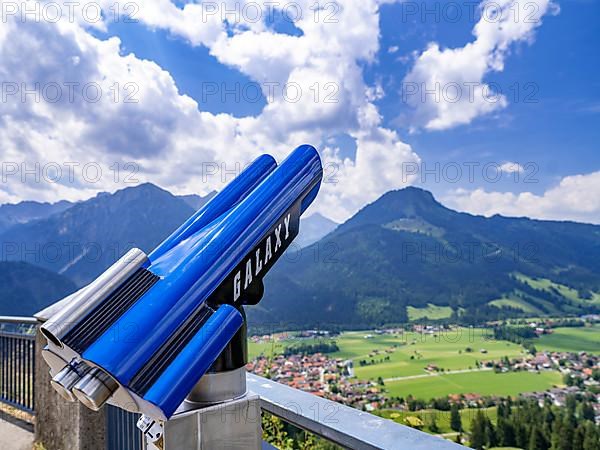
<point>431,312</point>
<point>567,292</point>
<point>515,302</point>
<point>484,383</point>
<point>547,285</point>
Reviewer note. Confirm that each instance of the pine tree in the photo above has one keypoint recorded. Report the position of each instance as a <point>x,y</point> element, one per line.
<point>555,439</point>
<point>491,438</point>
<point>501,410</point>
<point>506,433</point>
<point>521,435</point>
<point>579,438</point>
<point>549,416</point>
<point>537,440</point>
<point>478,431</point>
<point>433,426</point>
<point>586,411</point>
<point>567,434</point>
<point>591,440</point>
<point>455,419</point>
<point>562,434</point>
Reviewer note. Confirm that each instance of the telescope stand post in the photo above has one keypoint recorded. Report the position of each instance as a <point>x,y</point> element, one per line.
<point>232,425</point>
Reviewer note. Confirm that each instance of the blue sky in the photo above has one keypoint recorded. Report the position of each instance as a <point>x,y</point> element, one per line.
<point>547,127</point>
<point>559,130</point>
<point>550,121</point>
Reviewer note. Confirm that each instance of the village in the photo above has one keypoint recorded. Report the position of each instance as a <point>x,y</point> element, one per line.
<point>320,375</point>
<point>334,378</point>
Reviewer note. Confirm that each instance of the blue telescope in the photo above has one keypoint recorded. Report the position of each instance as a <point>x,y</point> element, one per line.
<point>143,334</point>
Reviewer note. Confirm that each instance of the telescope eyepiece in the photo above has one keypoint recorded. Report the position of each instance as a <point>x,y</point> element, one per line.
<point>65,380</point>
<point>95,388</point>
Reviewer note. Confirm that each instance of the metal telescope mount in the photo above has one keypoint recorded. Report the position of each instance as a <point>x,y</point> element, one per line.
<point>218,413</point>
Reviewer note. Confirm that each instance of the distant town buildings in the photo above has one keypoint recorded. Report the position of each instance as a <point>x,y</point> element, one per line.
<point>318,374</point>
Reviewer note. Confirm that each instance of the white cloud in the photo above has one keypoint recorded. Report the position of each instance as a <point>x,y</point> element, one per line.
<point>166,133</point>
<point>576,197</point>
<point>446,87</point>
<point>511,167</point>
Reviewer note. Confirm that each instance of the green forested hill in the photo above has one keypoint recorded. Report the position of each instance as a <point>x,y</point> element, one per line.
<point>408,249</point>
<point>26,289</point>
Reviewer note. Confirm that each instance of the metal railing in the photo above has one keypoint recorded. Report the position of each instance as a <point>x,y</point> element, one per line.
<point>17,362</point>
<point>337,423</point>
<point>334,422</point>
<point>342,425</point>
<point>121,430</point>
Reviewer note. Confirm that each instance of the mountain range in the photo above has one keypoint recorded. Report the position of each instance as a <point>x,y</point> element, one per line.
<point>83,240</point>
<point>23,212</point>
<point>314,228</point>
<point>403,251</point>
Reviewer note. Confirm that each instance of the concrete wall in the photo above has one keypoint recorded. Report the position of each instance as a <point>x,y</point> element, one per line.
<point>61,425</point>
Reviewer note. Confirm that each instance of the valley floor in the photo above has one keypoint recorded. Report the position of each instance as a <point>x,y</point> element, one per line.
<point>435,364</point>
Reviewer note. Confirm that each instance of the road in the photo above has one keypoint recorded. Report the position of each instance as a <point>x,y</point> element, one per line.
<point>437,374</point>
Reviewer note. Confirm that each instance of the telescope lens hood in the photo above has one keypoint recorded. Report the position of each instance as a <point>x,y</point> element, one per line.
<point>64,381</point>
<point>95,388</point>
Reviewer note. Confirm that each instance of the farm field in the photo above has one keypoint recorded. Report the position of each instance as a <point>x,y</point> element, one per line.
<point>571,340</point>
<point>484,383</point>
<point>273,348</point>
<point>409,353</point>
<point>265,349</point>
<point>415,351</point>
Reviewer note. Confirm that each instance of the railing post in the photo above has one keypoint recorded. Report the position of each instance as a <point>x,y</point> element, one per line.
<point>61,425</point>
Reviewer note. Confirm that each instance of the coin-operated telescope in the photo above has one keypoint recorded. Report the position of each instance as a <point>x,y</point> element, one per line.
<point>155,329</point>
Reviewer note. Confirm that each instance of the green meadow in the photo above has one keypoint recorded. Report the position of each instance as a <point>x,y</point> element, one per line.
<point>459,349</point>
<point>571,340</point>
<point>431,312</point>
<point>483,383</point>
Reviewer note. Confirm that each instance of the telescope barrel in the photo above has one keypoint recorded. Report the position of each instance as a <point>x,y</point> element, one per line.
<point>180,377</point>
<point>232,194</point>
<point>145,332</point>
<point>65,380</point>
<point>95,388</point>
<point>195,267</point>
<point>60,324</point>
